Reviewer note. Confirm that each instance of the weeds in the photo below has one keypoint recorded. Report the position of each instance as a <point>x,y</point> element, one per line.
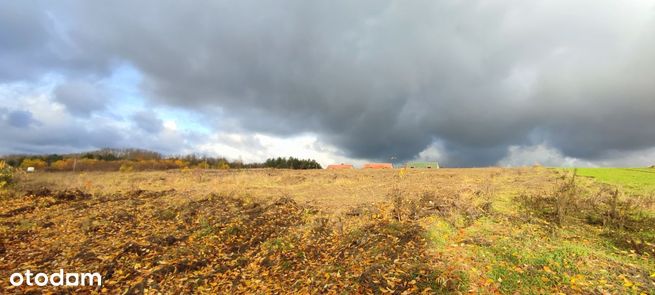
<point>565,199</point>
<point>6,174</point>
<point>403,208</point>
<point>460,209</point>
<point>166,214</point>
<point>556,207</point>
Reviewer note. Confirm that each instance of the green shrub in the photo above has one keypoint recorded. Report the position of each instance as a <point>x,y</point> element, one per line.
<point>223,165</point>
<point>203,165</point>
<point>6,174</point>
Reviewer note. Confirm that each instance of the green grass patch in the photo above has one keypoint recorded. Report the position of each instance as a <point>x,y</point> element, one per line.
<point>524,270</point>
<point>638,180</point>
<point>439,233</point>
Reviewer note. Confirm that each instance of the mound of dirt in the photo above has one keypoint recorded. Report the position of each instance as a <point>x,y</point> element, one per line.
<point>64,195</point>
<point>38,193</point>
<point>72,195</point>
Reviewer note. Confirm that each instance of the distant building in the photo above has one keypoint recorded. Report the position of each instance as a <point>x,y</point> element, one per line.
<point>30,169</point>
<point>422,165</point>
<point>378,166</point>
<point>340,166</point>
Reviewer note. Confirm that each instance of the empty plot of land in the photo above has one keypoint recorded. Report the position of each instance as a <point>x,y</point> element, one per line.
<point>327,189</point>
<point>523,230</point>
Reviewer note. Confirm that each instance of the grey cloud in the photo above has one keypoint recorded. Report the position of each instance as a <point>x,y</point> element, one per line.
<point>80,97</point>
<point>65,137</point>
<point>380,78</point>
<point>20,119</point>
<point>23,35</point>
<point>248,142</point>
<point>148,121</point>
<point>34,41</point>
<point>74,134</point>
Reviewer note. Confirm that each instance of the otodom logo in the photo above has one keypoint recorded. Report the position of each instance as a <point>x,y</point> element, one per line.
<point>60,278</point>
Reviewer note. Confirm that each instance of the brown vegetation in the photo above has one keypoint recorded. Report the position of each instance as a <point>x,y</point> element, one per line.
<point>345,231</point>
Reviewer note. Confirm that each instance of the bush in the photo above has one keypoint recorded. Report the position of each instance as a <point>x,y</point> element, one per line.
<point>126,168</point>
<point>36,163</point>
<point>6,174</point>
<point>223,166</point>
<point>181,164</point>
<point>62,165</point>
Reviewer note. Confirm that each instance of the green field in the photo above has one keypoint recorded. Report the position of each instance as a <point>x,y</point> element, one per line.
<point>637,180</point>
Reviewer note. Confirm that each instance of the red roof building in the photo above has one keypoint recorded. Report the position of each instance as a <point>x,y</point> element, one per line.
<point>378,166</point>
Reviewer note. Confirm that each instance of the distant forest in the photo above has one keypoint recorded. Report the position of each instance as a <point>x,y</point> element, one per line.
<point>140,160</point>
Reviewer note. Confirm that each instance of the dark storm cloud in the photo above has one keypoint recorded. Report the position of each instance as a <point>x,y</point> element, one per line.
<point>33,42</point>
<point>23,36</point>
<point>378,79</point>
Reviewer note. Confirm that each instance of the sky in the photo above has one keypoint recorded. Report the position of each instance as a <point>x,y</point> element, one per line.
<point>465,83</point>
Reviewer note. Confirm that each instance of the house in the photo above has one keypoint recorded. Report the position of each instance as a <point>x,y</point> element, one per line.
<point>422,165</point>
<point>378,166</point>
<point>340,166</point>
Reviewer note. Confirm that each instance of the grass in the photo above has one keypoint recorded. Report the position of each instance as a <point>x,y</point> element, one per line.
<point>637,180</point>
<point>439,232</point>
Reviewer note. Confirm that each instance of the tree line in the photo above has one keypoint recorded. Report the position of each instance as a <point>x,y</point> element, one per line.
<point>292,163</point>
<point>141,160</point>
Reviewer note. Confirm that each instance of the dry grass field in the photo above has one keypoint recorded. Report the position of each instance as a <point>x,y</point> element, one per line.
<point>491,230</point>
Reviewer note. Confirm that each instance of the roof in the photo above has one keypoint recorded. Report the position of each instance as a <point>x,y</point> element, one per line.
<point>340,166</point>
<point>422,165</point>
<point>378,166</point>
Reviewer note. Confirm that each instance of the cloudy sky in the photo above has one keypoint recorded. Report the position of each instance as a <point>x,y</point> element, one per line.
<point>467,83</point>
